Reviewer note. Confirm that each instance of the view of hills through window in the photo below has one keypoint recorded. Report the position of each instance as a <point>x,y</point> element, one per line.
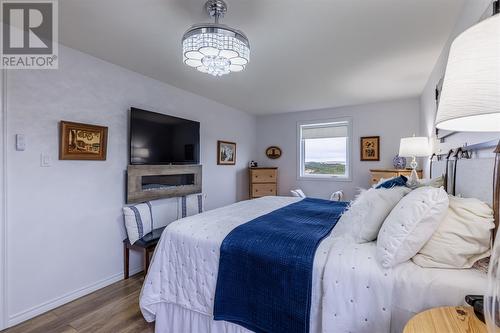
<point>325,156</point>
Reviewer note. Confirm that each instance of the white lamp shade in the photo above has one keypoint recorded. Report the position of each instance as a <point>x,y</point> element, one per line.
<point>470,99</point>
<point>415,146</point>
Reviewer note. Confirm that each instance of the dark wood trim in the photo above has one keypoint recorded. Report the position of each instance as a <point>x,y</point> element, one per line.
<point>146,253</point>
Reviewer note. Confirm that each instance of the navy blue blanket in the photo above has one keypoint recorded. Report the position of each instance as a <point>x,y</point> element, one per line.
<point>265,270</point>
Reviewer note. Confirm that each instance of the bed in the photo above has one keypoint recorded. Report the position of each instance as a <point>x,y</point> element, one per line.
<point>350,291</point>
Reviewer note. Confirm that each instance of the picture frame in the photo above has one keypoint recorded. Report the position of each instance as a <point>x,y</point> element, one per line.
<point>226,153</point>
<point>370,148</point>
<point>79,141</point>
<point>273,152</point>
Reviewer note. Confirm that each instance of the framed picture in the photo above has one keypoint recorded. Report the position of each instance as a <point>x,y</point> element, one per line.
<point>273,152</point>
<point>370,148</point>
<point>226,153</point>
<point>82,141</point>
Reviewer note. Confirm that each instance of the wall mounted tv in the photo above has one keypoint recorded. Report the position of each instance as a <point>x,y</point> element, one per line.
<point>157,138</point>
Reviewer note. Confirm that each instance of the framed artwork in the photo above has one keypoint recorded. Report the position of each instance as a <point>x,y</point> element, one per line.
<point>82,141</point>
<point>370,148</point>
<point>273,152</point>
<point>226,153</point>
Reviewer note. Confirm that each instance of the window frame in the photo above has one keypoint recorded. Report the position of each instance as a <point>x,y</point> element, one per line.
<point>344,121</point>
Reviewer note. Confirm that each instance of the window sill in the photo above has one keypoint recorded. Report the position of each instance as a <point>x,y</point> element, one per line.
<point>326,178</point>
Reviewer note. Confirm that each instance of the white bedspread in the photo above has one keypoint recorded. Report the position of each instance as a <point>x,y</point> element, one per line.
<point>351,292</point>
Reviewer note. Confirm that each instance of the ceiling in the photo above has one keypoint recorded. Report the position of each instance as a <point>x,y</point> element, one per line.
<point>304,54</point>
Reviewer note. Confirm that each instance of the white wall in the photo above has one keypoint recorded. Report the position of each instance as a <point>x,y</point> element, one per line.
<point>471,14</point>
<point>64,222</point>
<point>389,120</point>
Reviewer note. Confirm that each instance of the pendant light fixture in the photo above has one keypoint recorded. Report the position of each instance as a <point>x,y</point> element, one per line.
<point>215,48</point>
<point>470,100</point>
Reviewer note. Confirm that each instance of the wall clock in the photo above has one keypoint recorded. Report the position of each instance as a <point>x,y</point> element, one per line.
<point>273,152</point>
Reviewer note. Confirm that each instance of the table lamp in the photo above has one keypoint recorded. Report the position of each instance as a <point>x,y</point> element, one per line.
<point>415,146</point>
<point>470,101</point>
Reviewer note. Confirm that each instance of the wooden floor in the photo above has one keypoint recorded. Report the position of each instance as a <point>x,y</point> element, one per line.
<point>113,309</point>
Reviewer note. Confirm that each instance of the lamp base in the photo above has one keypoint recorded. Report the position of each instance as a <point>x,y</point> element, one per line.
<point>413,180</point>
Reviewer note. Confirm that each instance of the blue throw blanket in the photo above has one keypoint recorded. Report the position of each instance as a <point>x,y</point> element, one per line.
<point>265,270</point>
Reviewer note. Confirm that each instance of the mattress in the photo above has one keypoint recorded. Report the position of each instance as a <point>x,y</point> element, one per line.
<point>350,290</point>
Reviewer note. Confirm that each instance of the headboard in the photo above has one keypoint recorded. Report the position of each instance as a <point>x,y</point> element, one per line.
<point>471,177</point>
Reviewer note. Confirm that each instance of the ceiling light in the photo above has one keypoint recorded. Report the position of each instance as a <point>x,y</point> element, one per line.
<point>470,99</point>
<point>215,48</point>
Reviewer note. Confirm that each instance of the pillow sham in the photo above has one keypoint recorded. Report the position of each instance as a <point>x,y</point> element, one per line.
<point>189,205</point>
<point>393,182</point>
<point>434,182</point>
<point>138,220</point>
<point>410,225</point>
<point>369,210</point>
<point>463,237</point>
<point>298,193</point>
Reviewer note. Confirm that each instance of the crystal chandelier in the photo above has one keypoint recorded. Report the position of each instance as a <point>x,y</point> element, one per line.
<point>215,48</point>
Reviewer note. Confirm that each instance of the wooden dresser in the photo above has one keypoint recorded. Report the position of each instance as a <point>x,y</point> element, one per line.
<point>376,174</point>
<point>263,182</point>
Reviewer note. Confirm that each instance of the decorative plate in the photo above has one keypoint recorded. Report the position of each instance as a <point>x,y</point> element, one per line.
<point>273,152</point>
<point>399,162</point>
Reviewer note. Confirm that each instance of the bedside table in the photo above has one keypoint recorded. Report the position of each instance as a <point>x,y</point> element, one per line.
<point>452,319</point>
<point>376,174</point>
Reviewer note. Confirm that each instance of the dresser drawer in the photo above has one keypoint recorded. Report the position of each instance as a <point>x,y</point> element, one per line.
<point>263,176</point>
<point>376,176</point>
<point>261,190</point>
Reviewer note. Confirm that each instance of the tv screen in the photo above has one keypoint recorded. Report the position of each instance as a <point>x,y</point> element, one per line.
<point>156,138</point>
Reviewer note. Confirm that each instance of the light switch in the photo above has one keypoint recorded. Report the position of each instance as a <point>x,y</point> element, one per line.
<point>20,142</point>
<point>45,160</point>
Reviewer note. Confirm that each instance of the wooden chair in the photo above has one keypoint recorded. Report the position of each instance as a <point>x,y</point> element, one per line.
<point>146,245</point>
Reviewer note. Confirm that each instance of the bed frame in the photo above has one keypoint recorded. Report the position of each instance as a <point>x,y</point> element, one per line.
<point>466,152</point>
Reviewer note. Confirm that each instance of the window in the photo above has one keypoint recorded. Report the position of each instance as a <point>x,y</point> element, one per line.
<point>324,149</point>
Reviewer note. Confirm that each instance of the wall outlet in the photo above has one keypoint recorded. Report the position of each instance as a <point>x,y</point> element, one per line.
<point>20,142</point>
<point>45,160</point>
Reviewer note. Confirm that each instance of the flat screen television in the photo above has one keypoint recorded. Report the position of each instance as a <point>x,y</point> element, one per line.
<point>157,138</point>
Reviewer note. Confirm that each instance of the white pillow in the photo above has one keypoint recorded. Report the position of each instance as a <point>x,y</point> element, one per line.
<point>434,182</point>
<point>369,210</point>
<point>190,205</point>
<point>463,237</point>
<point>138,221</point>
<point>410,225</point>
<point>298,193</point>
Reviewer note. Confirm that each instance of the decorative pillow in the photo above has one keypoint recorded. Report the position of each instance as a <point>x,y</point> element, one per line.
<point>393,182</point>
<point>369,210</point>
<point>190,205</point>
<point>410,225</point>
<point>463,237</point>
<point>298,193</point>
<point>337,196</point>
<point>434,182</point>
<point>138,220</point>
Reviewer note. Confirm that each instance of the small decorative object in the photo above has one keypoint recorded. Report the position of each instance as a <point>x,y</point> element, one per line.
<point>399,162</point>
<point>253,164</point>
<point>226,153</point>
<point>273,152</point>
<point>370,148</point>
<point>82,141</point>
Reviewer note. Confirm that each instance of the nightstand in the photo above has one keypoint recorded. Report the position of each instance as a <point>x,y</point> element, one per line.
<point>452,319</point>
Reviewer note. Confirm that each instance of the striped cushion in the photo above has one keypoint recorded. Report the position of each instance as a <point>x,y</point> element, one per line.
<point>190,205</point>
<point>138,221</point>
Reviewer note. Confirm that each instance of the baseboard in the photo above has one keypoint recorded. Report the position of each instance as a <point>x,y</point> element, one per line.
<point>58,301</point>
